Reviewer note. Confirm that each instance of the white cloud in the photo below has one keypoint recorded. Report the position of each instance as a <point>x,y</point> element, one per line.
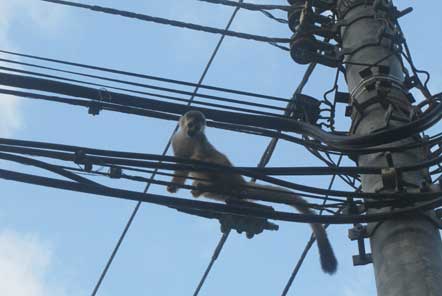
<point>25,260</point>
<point>25,266</point>
<point>39,17</point>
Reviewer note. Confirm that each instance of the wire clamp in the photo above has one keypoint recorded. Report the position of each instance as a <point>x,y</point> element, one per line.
<point>251,226</point>
<point>115,172</point>
<point>95,106</point>
<point>81,159</point>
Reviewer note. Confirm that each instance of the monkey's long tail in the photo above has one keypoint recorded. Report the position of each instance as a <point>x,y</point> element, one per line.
<point>328,260</point>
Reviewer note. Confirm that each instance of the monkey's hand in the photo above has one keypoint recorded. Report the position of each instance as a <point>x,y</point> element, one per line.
<point>172,188</point>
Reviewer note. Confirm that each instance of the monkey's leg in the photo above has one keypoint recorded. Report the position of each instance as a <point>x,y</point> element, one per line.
<point>179,178</point>
<point>197,192</point>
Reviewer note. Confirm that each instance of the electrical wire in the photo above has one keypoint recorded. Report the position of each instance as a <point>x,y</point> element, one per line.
<point>433,201</point>
<point>174,23</point>
<point>428,118</point>
<point>101,157</point>
<point>135,211</point>
<point>226,126</point>
<point>249,6</point>
<point>143,85</point>
<point>309,244</point>
<point>139,75</point>
<point>221,106</point>
<point>215,256</point>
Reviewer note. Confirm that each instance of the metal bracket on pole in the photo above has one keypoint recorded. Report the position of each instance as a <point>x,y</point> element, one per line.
<point>359,233</point>
<point>306,108</point>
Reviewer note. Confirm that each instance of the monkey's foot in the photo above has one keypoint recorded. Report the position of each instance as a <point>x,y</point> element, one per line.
<point>196,193</point>
<point>172,188</point>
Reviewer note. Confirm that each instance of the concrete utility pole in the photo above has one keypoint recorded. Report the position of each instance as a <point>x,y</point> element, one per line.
<point>407,253</point>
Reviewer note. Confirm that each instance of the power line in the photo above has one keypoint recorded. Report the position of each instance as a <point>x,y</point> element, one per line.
<point>255,7</point>
<point>249,6</point>
<point>168,97</point>
<point>144,76</point>
<point>217,208</point>
<point>215,255</point>
<point>135,211</point>
<point>174,23</point>
<point>143,85</point>
<point>428,118</point>
<point>309,244</point>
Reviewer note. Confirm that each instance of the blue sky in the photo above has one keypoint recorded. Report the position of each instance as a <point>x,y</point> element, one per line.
<point>56,243</point>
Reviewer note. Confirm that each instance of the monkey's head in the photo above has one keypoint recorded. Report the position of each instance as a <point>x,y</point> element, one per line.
<point>193,123</point>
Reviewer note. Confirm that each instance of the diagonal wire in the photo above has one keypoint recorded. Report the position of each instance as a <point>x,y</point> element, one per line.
<point>137,207</point>
<point>215,255</point>
<point>272,145</point>
<point>224,237</point>
<point>309,243</point>
<point>262,163</point>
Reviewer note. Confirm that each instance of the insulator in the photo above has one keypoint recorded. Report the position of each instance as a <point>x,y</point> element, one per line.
<point>302,50</point>
<point>294,16</point>
<point>306,49</point>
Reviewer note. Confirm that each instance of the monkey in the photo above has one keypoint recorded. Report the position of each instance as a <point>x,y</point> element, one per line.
<point>190,142</point>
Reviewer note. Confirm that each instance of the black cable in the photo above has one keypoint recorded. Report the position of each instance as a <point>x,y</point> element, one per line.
<point>215,255</point>
<point>433,200</point>
<point>255,7</point>
<point>144,76</point>
<point>222,106</point>
<point>429,117</point>
<point>308,245</point>
<point>221,125</point>
<point>116,159</point>
<point>166,89</point>
<point>249,6</point>
<point>174,23</point>
<point>279,20</point>
<point>135,211</point>
<point>274,141</point>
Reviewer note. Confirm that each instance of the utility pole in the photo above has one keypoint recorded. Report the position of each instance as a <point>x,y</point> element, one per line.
<point>406,253</point>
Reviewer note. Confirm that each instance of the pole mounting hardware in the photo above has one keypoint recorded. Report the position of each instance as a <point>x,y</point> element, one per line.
<point>359,233</point>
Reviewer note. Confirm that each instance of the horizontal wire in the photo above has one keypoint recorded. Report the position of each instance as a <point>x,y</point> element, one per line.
<point>245,110</point>
<point>207,96</point>
<point>144,76</point>
<point>434,140</point>
<point>429,117</point>
<point>174,23</point>
<point>250,172</point>
<point>250,6</point>
<point>179,203</point>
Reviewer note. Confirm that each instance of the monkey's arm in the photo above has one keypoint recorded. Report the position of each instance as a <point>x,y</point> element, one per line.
<point>179,176</point>
<point>178,179</point>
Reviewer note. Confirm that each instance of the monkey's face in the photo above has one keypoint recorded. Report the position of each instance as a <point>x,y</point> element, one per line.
<point>193,123</point>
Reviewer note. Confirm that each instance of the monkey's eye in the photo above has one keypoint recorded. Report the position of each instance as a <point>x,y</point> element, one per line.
<point>190,124</point>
